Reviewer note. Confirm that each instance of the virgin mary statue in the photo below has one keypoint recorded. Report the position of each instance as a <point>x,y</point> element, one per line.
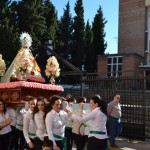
<point>24,62</point>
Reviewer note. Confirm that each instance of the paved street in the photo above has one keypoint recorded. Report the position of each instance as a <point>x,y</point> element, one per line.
<point>124,144</point>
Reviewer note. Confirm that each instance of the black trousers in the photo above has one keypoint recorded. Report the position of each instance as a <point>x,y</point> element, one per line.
<point>79,141</point>
<point>5,141</point>
<point>28,148</point>
<point>21,140</point>
<point>38,143</point>
<point>14,139</point>
<point>59,144</point>
<point>68,135</point>
<point>94,144</point>
<point>47,142</point>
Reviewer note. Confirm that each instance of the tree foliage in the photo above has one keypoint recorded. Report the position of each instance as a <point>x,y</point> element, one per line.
<point>89,59</point>
<point>99,44</point>
<point>51,21</point>
<point>66,30</point>
<point>31,19</point>
<point>8,31</point>
<point>78,36</point>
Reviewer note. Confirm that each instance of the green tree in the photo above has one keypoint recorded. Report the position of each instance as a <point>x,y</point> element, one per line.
<point>78,36</point>
<point>51,21</point>
<point>66,30</point>
<point>9,42</point>
<point>31,19</point>
<point>99,44</point>
<point>89,59</point>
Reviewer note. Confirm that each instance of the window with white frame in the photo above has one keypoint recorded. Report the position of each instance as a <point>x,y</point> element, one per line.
<point>114,66</point>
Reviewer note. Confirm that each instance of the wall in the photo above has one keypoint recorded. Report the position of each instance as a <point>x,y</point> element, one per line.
<point>130,65</point>
<point>102,65</point>
<point>131,36</point>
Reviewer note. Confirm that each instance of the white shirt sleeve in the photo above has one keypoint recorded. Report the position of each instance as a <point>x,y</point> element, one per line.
<point>64,117</point>
<point>26,121</point>
<point>12,114</point>
<point>49,125</point>
<point>85,118</point>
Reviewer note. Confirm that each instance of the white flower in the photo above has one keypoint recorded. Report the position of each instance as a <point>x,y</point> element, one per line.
<point>24,61</point>
<point>52,67</point>
<point>2,66</point>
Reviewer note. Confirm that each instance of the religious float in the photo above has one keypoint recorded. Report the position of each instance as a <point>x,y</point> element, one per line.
<point>23,79</point>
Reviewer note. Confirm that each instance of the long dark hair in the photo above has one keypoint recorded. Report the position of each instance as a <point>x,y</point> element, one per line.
<point>30,99</point>
<point>4,110</point>
<point>42,99</point>
<point>101,103</point>
<point>81,99</point>
<point>52,101</point>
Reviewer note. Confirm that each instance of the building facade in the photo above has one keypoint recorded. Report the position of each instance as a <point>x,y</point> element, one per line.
<point>133,56</point>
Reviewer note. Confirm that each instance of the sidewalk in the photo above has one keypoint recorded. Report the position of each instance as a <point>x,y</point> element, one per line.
<point>124,144</point>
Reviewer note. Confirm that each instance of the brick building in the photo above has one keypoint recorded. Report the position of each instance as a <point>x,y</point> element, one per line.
<point>133,56</point>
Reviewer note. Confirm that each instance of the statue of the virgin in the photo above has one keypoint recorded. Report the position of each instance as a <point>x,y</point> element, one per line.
<point>24,62</point>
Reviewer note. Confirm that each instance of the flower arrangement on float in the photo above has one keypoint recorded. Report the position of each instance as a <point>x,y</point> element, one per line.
<point>52,70</point>
<point>23,62</point>
<point>2,66</point>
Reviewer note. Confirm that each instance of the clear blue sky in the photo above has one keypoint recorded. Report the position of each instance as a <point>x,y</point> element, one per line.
<point>110,12</point>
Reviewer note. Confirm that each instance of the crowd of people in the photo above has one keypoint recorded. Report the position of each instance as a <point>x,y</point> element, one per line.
<point>56,125</point>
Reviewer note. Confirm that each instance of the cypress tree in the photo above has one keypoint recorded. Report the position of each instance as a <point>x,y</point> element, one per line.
<point>66,29</point>
<point>89,59</point>
<point>78,36</point>
<point>51,21</point>
<point>99,44</point>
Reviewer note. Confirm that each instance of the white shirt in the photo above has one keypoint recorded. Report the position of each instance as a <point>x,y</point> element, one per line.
<point>29,126</point>
<point>41,128</point>
<point>69,123</point>
<point>19,119</point>
<point>98,122</point>
<point>87,123</point>
<point>114,109</point>
<point>55,124</point>
<point>76,123</point>
<point>3,118</point>
<point>13,115</point>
